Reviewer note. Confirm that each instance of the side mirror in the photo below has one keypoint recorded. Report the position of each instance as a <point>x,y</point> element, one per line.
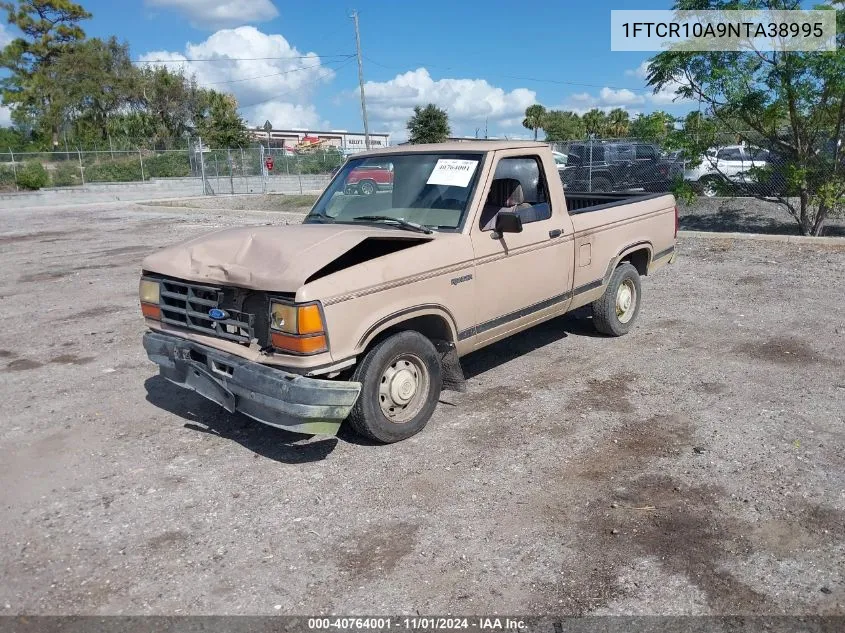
<point>508,222</point>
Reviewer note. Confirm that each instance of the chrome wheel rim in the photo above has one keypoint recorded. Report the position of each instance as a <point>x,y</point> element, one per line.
<point>367,189</point>
<point>403,388</point>
<point>709,189</point>
<point>626,301</point>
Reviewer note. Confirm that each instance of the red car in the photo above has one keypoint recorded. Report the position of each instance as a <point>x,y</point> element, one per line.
<point>368,180</point>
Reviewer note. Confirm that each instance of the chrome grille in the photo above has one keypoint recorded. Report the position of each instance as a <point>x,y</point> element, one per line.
<point>187,305</point>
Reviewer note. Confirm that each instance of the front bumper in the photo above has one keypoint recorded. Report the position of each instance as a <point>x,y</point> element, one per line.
<point>272,396</point>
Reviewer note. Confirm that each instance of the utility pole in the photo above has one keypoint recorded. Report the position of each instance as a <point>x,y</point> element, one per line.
<point>361,80</point>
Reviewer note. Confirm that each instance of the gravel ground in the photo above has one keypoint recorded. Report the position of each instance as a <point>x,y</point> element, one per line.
<point>254,202</point>
<point>694,466</point>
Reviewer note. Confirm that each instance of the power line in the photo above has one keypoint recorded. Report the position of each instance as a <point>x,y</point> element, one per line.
<point>534,79</point>
<point>290,92</point>
<point>235,59</point>
<point>286,72</point>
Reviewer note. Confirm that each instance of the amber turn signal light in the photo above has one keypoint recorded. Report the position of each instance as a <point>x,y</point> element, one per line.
<point>299,344</point>
<point>310,321</point>
<point>151,311</point>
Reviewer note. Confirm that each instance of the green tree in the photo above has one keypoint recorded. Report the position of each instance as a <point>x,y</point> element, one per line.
<point>535,116</point>
<point>429,124</point>
<point>618,122</point>
<point>98,82</point>
<point>15,139</point>
<point>563,126</point>
<point>49,28</point>
<point>220,125</point>
<point>170,105</point>
<point>654,127</point>
<point>595,122</point>
<point>791,103</point>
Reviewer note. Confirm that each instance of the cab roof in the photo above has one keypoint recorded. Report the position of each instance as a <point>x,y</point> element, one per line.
<point>453,146</point>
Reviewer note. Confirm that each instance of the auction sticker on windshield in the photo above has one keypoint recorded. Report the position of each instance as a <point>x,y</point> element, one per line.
<point>453,172</point>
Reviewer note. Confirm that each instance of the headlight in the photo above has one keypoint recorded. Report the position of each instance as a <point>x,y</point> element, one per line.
<point>298,329</point>
<point>283,318</point>
<point>149,292</point>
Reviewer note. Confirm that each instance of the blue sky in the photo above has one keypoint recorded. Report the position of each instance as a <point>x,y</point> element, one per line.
<point>483,61</point>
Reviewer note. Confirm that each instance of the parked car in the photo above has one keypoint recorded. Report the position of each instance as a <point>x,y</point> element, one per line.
<point>720,167</point>
<point>560,158</point>
<point>370,179</point>
<point>616,166</point>
<point>362,312</point>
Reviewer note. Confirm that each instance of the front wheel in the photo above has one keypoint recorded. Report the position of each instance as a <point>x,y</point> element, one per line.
<point>709,187</point>
<point>367,187</point>
<point>401,380</point>
<point>616,310</point>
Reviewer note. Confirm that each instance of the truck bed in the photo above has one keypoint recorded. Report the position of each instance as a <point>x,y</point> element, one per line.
<point>584,202</point>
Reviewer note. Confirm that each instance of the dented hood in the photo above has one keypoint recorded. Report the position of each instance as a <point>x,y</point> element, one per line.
<point>277,258</point>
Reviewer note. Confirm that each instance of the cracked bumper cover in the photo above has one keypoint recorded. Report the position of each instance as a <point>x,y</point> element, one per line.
<point>272,396</point>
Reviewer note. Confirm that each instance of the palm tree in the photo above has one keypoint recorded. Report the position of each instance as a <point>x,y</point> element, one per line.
<point>535,115</point>
<point>618,122</point>
<point>594,121</point>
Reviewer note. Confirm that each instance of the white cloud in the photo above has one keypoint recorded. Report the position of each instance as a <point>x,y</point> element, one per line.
<point>622,96</point>
<point>5,36</point>
<point>214,14</point>
<point>640,72</point>
<point>5,116</point>
<point>270,78</point>
<point>288,115</point>
<point>606,100</point>
<point>469,102</point>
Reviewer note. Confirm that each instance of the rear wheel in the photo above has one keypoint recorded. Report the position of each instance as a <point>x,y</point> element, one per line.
<point>615,312</point>
<point>367,187</point>
<point>401,380</point>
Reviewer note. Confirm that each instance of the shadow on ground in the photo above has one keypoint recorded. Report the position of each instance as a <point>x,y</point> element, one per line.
<point>206,417</point>
<point>576,323</point>
<point>741,215</point>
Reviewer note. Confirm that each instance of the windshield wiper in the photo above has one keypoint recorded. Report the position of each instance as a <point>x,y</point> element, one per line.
<point>403,224</point>
<point>318,217</point>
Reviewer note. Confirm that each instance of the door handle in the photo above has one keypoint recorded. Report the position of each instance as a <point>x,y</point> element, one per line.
<point>555,233</point>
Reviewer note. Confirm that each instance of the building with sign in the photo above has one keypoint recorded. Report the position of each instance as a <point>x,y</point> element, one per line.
<point>299,141</point>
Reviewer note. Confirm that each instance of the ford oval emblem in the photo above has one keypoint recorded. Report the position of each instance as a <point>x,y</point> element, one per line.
<point>217,314</point>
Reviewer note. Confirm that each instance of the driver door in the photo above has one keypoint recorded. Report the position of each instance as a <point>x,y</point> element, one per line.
<point>520,278</point>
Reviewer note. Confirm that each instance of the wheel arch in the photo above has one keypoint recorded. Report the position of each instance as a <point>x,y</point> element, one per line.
<point>639,255</point>
<point>433,321</point>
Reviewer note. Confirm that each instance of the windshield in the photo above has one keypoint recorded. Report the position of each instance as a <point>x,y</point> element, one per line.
<point>431,190</point>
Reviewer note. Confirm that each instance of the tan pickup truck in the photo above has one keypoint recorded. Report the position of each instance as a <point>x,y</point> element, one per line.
<point>362,312</point>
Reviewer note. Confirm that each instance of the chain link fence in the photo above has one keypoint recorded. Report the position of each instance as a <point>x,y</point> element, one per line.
<point>198,170</point>
<point>729,169</point>
<point>593,165</point>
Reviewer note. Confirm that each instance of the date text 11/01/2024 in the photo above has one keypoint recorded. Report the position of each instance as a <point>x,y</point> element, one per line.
<point>416,623</point>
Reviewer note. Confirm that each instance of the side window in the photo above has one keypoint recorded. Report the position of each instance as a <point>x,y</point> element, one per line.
<point>518,185</point>
<point>732,153</point>
<point>645,152</point>
<point>624,153</point>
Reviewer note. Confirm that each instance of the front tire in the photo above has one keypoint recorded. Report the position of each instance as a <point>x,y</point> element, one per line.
<point>709,187</point>
<point>401,380</point>
<point>367,187</point>
<point>615,312</point>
